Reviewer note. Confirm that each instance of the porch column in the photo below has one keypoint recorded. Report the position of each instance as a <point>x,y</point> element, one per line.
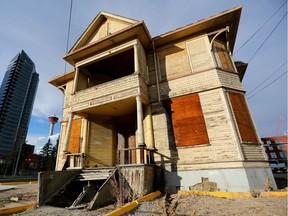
<point>68,133</point>
<point>85,125</point>
<point>75,82</point>
<point>149,127</point>
<point>140,130</point>
<point>84,143</point>
<point>136,60</point>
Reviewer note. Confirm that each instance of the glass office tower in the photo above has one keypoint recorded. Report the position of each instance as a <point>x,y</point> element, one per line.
<point>17,94</point>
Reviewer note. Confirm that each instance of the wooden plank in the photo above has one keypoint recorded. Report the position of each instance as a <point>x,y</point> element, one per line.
<point>223,55</point>
<point>188,121</point>
<point>242,116</point>
<point>74,144</point>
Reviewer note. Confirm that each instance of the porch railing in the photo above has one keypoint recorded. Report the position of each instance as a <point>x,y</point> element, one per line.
<point>138,155</point>
<point>75,160</point>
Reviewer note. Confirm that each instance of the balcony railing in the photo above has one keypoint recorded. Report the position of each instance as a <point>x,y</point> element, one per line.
<point>110,91</point>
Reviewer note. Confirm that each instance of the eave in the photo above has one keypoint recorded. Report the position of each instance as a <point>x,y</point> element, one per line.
<point>229,18</point>
<point>62,79</point>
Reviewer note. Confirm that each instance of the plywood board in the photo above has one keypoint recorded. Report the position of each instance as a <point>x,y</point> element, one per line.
<point>188,121</point>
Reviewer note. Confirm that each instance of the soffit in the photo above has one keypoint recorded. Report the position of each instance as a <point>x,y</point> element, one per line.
<point>116,109</point>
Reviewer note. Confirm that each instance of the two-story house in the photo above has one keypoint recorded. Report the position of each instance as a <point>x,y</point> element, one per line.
<point>169,109</point>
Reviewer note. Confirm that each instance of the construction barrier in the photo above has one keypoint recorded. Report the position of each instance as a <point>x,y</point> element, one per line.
<point>130,206</point>
<point>17,209</point>
<point>18,183</point>
<point>233,195</point>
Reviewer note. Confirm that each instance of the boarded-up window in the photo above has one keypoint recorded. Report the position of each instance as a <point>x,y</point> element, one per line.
<point>243,119</point>
<point>188,121</point>
<point>223,57</point>
<point>74,142</point>
<point>199,54</point>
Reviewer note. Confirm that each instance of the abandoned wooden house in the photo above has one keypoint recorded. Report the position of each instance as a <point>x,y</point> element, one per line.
<point>167,109</point>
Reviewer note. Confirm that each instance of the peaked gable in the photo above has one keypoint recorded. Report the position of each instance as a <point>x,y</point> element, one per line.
<point>103,25</point>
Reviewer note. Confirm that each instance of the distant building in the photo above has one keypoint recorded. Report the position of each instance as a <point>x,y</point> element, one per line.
<point>44,140</point>
<point>17,94</point>
<point>276,148</point>
<point>28,149</point>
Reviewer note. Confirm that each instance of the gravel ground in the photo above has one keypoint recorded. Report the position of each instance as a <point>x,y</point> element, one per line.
<point>206,205</point>
<point>22,194</point>
<point>187,205</point>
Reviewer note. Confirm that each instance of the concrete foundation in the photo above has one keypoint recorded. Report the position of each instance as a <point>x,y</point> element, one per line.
<point>232,180</point>
<point>139,177</point>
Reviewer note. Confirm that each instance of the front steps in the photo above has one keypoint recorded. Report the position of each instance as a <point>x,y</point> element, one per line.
<point>83,190</point>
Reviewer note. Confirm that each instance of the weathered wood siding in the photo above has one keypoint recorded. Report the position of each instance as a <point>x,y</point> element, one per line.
<point>222,145</point>
<point>107,27</point>
<point>173,62</point>
<point>191,70</point>
<point>253,152</point>
<point>199,54</point>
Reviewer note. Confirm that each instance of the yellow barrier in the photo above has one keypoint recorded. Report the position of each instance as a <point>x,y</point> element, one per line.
<point>130,206</point>
<point>149,196</point>
<point>17,209</point>
<point>233,194</point>
<point>17,183</point>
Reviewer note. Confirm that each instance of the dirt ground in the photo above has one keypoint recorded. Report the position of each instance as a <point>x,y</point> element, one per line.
<point>187,205</point>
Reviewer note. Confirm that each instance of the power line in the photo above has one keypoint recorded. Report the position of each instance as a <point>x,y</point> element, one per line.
<point>268,84</point>
<point>259,29</point>
<point>267,37</point>
<point>266,79</point>
<point>68,33</point>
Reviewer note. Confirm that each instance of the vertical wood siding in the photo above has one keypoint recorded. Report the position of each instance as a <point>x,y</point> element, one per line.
<point>101,147</point>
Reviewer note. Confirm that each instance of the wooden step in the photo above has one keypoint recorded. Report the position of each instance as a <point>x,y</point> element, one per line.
<point>94,174</point>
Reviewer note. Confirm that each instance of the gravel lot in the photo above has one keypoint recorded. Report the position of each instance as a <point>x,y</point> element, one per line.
<point>187,205</point>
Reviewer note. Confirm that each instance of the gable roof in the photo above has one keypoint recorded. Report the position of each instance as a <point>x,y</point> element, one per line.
<point>95,26</point>
<point>99,37</point>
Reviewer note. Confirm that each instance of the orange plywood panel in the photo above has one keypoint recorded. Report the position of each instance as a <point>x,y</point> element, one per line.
<point>74,144</point>
<point>243,118</point>
<point>188,121</point>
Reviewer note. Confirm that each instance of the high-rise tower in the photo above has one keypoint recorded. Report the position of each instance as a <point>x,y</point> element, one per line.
<point>53,120</point>
<point>17,94</point>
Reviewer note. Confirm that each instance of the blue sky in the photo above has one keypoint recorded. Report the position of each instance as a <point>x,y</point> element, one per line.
<point>40,28</point>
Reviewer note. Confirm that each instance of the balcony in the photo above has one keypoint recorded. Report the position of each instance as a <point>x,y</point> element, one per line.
<point>109,92</point>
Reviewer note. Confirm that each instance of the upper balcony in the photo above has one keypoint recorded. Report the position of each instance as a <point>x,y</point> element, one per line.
<point>121,89</point>
<point>112,75</point>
